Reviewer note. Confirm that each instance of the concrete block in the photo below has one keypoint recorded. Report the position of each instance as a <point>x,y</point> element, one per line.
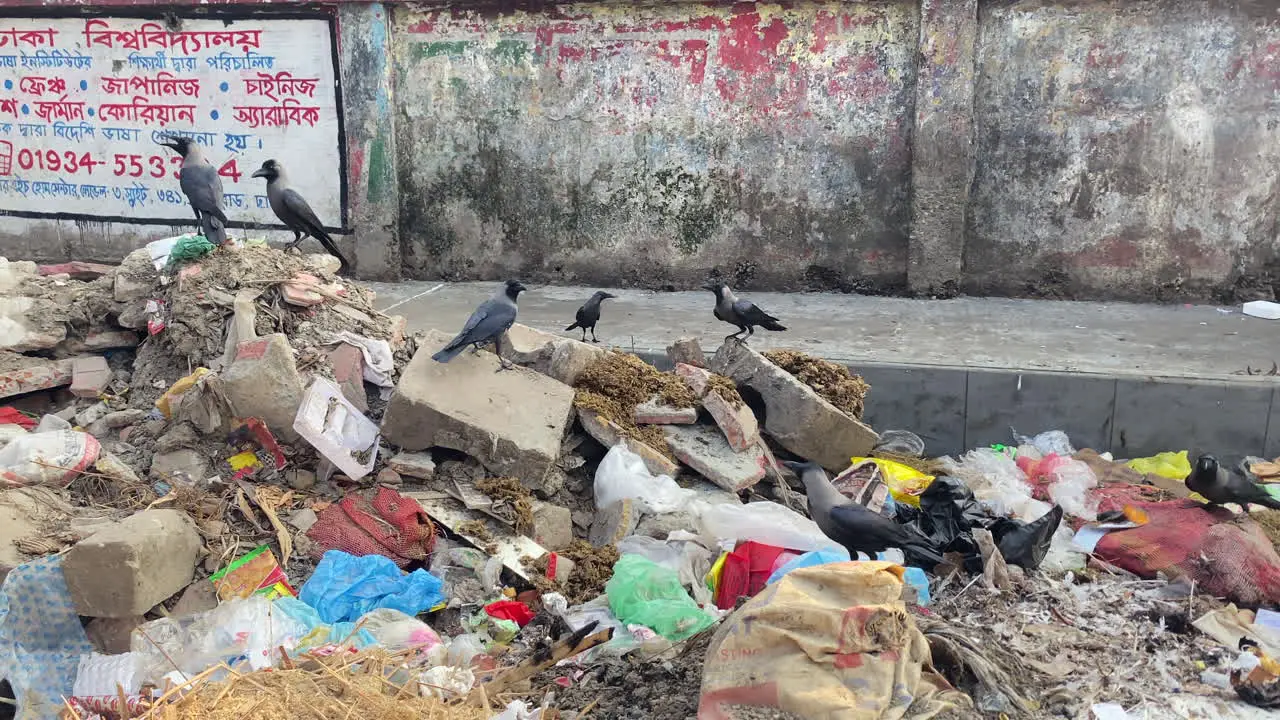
<point>414,464</point>
<point>185,462</point>
<point>654,412</point>
<point>739,424</point>
<point>512,421</point>
<point>704,449</point>
<point>348,370</point>
<point>571,357</point>
<point>698,379</point>
<point>687,351</point>
<point>89,376</point>
<point>32,374</point>
<point>795,416</point>
<point>552,525</point>
<point>609,434</point>
<point>133,316</point>
<point>614,522</point>
<point>110,636</point>
<point>200,596</point>
<point>263,382</point>
<point>132,566</point>
<point>561,358</point>
<point>389,477</point>
<point>20,326</point>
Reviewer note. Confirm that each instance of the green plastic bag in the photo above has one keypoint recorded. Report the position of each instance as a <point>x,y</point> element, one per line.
<point>1174,466</point>
<point>189,247</point>
<point>645,593</point>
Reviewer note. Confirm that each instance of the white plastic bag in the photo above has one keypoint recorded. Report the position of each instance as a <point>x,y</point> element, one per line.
<point>997,483</point>
<point>765,522</point>
<point>622,474</point>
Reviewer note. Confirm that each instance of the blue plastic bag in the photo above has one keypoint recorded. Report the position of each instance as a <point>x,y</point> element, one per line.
<point>809,559</point>
<point>345,587</point>
<point>320,632</point>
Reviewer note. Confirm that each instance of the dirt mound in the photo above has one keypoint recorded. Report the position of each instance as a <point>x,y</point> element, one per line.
<point>615,384</point>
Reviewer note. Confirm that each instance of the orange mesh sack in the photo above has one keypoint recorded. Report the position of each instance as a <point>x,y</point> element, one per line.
<point>389,524</point>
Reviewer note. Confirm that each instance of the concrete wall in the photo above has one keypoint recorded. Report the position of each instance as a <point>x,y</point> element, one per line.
<point>1091,149</point>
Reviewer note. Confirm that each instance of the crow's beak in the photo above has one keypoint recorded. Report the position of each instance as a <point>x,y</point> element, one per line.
<point>259,173</point>
<point>169,143</point>
<point>710,286</point>
<point>607,296</point>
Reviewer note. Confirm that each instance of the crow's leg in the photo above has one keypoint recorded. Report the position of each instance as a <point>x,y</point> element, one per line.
<point>735,335</point>
<point>584,334</point>
<point>476,348</point>
<point>751,330</point>
<point>297,238</point>
<point>593,335</point>
<point>502,362</point>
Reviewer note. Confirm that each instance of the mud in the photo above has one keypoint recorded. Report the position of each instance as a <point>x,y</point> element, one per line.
<point>832,381</point>
<point>509,491</point>
<point>641,690</point>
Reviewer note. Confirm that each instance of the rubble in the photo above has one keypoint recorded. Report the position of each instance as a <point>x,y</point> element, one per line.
<point>686,351</point>
<point>608,433</point>
<point>150,555</point>
<point>795,415</point>
<point>89,376</point>
<point>22,374</point>
<point>418,465</point>
<point>263,382</point>
<point>654,412</point>
<point>705,450</point>
<point>513,428</point>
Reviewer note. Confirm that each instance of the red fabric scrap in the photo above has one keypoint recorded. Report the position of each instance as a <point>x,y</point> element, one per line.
<point>12,416</point>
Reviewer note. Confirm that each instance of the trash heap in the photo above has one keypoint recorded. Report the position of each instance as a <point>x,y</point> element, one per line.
<point>234,488</point>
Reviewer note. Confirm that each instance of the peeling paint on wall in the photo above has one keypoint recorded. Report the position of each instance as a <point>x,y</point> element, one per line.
<point>654,145</point>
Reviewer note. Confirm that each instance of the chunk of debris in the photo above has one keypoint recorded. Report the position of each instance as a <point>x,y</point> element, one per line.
<point>348,371</point>
<point>617,383</point>
<point>21,374</point>
<point>800,420</point>
<point>614,522</point>
<point>263,382</point>
<point>183,462</point>
<point>686,351</point>
<point>655,412</point>
<point>832,381</point>
<point>721,399</point>
<point>512,421</point>
<point>414,464</point>
<point>558,357</point>
<point>132,566</point>
<point>552,525</point>
<point>592,568</point>
<point>704,449</point>
<point>609,433</point>
<point>89,376</point>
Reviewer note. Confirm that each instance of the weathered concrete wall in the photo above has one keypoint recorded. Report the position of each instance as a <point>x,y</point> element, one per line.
<point>651,145</point>
<point>1125,149</point>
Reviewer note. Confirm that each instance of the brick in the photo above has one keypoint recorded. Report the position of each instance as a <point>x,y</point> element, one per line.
<point>78,270</point>
<point>614,522</point>
<point>609,434</point>
<point>698,379</point>
<point>552,525</point>
<point>654,412</point>
<point>132,566</point>
<point>89,376</point>
<point>738,424</point>
<point>300,291</point>
<point>111,340</point>
<point>795,416</point>
<point>686,351</point>
<point>512,421</point>
<point>263,382</point>
<point>399,327</point>
<point>348,371</point>
<point>414,464</point>
<point>35,375</point>
<point>704,449</point>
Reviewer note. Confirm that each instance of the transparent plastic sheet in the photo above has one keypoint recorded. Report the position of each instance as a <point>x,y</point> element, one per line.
<point>622,474</point>
<point>764,522</point>
<point>1049,442</point>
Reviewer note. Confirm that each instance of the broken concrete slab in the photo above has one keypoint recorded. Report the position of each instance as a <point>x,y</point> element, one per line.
<point>21,328</point>
<point>552,525</point>
<point>132,566</point>
<point>698,379</point>
<point>414,464</point>
<point>136,277</point>
<point>77,270</point>
<point>561,358</point>
<point>110,636</point>
<point>608,434</point>
<point>185,462</point>
<point>686,351</point>
<point>89,376</point>
<point>571,357</point>
<point>614,522</point>
<point>134,315</point>
<point>512,421</point>
<point>737,422</point>
<point>704,449</point>
<point>263,382</point>
<point>654,412</point>
<point>797,417</point>
<point>30,374</point>
<point>348,371</point>
<point>14,274</point>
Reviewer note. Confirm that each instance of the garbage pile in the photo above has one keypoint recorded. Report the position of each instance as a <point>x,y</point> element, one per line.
<point>233,487</point>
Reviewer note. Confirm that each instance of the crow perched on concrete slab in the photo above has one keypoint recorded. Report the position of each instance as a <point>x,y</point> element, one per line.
<point>1220,486</point>
<point>202,186</point>
<point>486,325</point>
<point>742,313</point>
<point>589,314</point>
<point>854,526</point>
<point>293,210</point>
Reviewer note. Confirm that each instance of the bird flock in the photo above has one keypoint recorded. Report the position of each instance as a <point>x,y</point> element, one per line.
<point>203,187</point>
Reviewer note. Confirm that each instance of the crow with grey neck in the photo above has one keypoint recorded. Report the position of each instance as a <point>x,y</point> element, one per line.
<point>1220,486</point>
<point>742,313</point>
<point>202,186</point>
<point>589,314</point>
<point>486,325</point>
<point>855,527</point>
<point>294,212</point>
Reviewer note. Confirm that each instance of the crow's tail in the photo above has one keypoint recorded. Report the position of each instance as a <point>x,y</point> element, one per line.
<point>448,352</point>
<point>772,325</point>
<point>332,248</point>
<point>213,229</point>
<point>573,327</point>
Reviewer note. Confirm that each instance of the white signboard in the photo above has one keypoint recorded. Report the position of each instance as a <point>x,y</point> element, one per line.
<point>84,100</point>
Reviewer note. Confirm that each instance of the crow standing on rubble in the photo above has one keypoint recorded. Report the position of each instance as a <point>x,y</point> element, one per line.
<point>202,186</point>
<point>855,527</point>
<point>742,313</point>
<point>294,212</point>
<point>1220,486</point>
<point>589,314</point>
<point>486,325</point>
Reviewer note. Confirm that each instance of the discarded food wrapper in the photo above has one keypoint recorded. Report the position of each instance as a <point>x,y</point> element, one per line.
<point>905,482</point>
<point>253,431</point>
<point>1172,465</point>
<point>337,429</point>
<point>257,573</point>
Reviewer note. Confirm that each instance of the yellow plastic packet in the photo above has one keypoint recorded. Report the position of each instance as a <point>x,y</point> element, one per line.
<point>714,574</point>
<point>165,403</point>
<point>905,482</point>
<point>1174,466</point>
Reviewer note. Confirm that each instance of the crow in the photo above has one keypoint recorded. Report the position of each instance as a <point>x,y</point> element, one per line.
<point>202,186</point>
<point>742,313</point>
<point>294,212</point>
<point>1219,486</point>
<point>589,314</point>
<point>855,527</point>
<point>486,325</point>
